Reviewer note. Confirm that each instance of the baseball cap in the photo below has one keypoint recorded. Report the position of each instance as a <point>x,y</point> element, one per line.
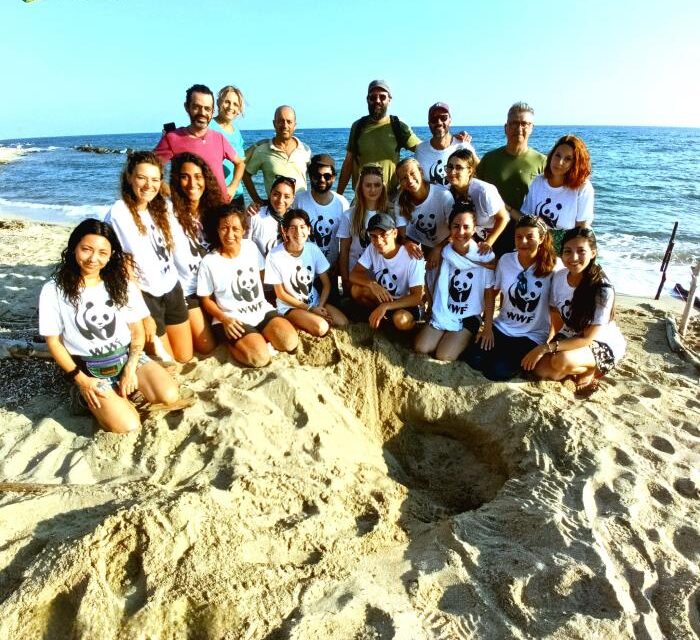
<point>379,84</point>
<point>441,106</point>
<point>381,221</point>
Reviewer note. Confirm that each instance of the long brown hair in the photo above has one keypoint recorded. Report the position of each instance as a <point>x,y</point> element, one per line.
<point>156,207</point>
<point>546,257</point>
<point>360,206</point>
<point>190,218</point>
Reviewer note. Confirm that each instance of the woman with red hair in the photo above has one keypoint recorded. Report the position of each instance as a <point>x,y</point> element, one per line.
<point>563,195</point>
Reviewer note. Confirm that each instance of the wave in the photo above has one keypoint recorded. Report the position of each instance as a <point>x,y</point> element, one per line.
<point>53,212</point>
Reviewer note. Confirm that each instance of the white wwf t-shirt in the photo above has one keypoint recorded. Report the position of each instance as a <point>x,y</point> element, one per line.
<point>359,243</point>
<point>429,220</point>
<point>97,326</point>
<point>264,231</point>
<point>525,307</point>
<point>459,290</point>
<point>560,299</point>
<point>325,220</point>
<point>187,253</point>
<point>487,202</point>
<point>156,271</point>
<point>235,284</point>
<point>559,207</point>
<point>296,274</point>
<point>432,161</point>
<point>398,274</point>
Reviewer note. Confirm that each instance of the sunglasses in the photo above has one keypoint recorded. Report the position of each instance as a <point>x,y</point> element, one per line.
<point>443,117</point>
<point>372,171</point>
<point>286,179</point>
<point>328,177</point>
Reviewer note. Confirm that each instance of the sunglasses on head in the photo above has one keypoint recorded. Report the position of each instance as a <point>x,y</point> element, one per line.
<point>372,170</point>
<point>286,179</point>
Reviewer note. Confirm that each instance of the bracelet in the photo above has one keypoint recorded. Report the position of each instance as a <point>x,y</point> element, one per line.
<point>72,374</point>
<point>554,344</point>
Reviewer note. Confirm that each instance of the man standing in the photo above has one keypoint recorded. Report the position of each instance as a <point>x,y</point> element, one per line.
<point>284,155</point>
<point>377,137</point>
<point>512,168</point>
<point>198,138</point>
<point>324,206</point>
<point>432,154</point>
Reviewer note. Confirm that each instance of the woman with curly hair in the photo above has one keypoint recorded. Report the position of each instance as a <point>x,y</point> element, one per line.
<point>193,190</point>
<point>588,343</point>
<point>525,277</point>
<point>141,221</point>
<point>563,196</point>
<point>371,198</point>
<point>91,315</point>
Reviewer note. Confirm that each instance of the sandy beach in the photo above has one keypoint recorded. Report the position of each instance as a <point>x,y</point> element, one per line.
<point>353,490</point>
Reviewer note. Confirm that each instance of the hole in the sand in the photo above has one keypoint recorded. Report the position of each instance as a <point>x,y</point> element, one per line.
<point>447,470</point>
<point>367,521</point>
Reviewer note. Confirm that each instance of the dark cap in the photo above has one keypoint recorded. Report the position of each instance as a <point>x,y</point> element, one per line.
<point>438,106</point>
<point>381,221</point>
<point>322,160</point>
<point>379,84</point>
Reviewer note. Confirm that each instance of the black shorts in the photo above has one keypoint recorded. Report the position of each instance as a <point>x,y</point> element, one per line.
<point>192,301</point>
<point>221,336</point>
<point>472,324</point>
<point>168,309</point>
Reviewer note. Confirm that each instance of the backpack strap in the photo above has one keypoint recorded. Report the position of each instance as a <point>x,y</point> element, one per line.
<point>396,129</point>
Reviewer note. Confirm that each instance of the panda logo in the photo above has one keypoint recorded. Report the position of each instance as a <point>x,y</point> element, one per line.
<point>158,244</point>
<point>460,285</point>
<point>565,310</point>
<point>549,212</point>
<point>437,173</point>
<point>388,280</point>
<point>321,232</point>
<point>245,285</point>
<point>301,282</point>
<point>426,224</point>
<point>97,322</point>
<point>522,296</point>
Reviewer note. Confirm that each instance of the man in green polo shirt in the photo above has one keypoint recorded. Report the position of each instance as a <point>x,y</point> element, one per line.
<point>284,155</point>
<point>376,138</point>
<point>513,167</point>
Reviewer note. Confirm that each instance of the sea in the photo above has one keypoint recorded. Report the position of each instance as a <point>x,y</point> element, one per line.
<point>645,180</point>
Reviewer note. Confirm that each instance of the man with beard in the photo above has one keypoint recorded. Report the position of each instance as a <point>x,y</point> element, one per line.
<point>512,168</point>
<point>432,154</point>
<point>325,208</point>
<point>199,139</point>
<point>284,155</point>
<point>377,138</point>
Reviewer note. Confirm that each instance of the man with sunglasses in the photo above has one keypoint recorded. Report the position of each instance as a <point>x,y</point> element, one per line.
<point>432,154</point>
<point>513,167</point>
<point>283,155</point>
<point>377,137</point>
<point>325,208</point>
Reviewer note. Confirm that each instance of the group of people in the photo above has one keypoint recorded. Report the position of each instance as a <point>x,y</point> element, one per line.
<point>427,244</point>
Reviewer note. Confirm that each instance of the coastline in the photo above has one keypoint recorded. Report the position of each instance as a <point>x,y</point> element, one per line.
<point>353,488</point>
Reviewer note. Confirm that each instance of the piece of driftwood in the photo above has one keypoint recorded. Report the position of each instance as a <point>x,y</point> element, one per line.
<point>690,301</point>
<point>28,487</point>
<point>676,343</point>
<point>23,349</point>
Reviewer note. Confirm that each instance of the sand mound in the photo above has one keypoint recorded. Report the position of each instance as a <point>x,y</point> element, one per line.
<point>356,490</point>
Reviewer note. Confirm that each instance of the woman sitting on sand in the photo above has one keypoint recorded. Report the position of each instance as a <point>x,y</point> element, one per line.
<point>524,276</point>
<point>386,278</point>
<point>588,343</point>
<point>230,104</point>
<point>92,317</point>
<point>370,198</point>
<point>193,189</point>
<point>230,287</point>
<point>265,228</point>
<point>292,268</point>
<point>458,299</point>
<point>426,207</point>
<point>563,196</point>
<point>141,221</point>
<point>491,214</point>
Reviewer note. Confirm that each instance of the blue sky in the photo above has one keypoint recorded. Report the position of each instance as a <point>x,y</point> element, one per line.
<point>118,66</point>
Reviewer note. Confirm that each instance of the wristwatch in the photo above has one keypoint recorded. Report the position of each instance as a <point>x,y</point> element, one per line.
<point>72,374</point>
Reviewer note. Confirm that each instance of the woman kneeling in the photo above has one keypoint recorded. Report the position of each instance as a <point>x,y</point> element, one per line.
<point>92,317</point>
<point>589,343</point>
<point>229,285</point>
